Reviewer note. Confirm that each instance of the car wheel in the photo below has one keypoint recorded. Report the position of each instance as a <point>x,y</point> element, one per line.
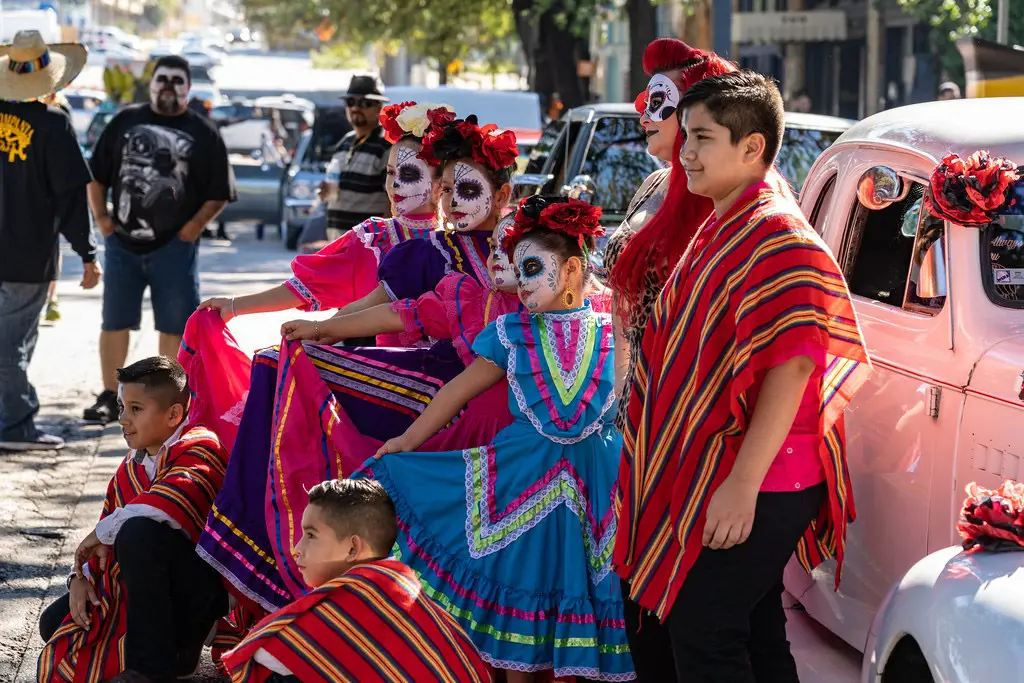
<point>292,236</point>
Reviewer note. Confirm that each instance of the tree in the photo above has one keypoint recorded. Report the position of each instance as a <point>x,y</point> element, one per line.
<point>951,19</point>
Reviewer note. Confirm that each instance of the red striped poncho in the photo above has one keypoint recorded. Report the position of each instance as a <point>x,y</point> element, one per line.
<point>187,481</point>
<point>372,624</point>
<point>752,284</point>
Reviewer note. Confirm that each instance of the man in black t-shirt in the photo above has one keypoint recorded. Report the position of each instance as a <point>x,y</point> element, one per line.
<point>42,194</point>
<point>166,169</point>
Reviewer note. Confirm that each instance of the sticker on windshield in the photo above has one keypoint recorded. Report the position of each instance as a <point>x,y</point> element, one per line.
<point>1008,276</point>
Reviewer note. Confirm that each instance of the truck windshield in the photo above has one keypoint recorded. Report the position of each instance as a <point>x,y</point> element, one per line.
<point>618,162</point>
<point>1002,253</point>
<point>800,148</point>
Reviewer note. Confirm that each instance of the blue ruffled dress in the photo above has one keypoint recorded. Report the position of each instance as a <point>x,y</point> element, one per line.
<point>515,538</point>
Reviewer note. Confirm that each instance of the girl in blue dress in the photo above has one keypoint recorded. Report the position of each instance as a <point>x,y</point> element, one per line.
<point>514,537</point>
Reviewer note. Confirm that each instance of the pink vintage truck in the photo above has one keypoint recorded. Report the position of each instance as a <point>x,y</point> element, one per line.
<point>942,310</point>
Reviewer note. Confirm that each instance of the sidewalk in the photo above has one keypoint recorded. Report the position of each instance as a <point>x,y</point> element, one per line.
<point>49,501</point>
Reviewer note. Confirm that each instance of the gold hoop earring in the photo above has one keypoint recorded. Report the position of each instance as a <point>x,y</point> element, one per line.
<point>568,298</point>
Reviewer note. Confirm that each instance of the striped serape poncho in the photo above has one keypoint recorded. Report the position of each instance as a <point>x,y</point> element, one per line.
<point>374,623</point>
<point>186,483</point>
<point>751,285</point>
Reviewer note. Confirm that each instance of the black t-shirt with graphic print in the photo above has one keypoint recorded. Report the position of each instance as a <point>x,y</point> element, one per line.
<point>43,179</point>
<point>161,170</point>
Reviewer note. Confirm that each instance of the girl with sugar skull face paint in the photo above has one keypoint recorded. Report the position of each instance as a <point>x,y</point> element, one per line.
<point>561,449</point>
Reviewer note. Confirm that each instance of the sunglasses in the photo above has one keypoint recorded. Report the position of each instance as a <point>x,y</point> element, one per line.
<point>359,102</point>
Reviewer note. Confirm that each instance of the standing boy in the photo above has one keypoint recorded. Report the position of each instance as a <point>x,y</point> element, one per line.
<point>734,453</point>
<point>368,619</point>
<point>141,601</point>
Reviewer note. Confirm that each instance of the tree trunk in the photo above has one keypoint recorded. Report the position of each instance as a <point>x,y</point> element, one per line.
<point>442,72</point>
<point>643,27</point>
<point>559,61</point>
<point>527,38</point>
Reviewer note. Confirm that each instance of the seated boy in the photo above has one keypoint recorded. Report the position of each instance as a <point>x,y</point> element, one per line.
<point>367,618</point>
<point>141,602</point>
<point>750,357</point>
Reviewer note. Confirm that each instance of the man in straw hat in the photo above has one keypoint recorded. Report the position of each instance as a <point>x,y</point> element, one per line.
<point>167,171</point>
<point>43,180</point>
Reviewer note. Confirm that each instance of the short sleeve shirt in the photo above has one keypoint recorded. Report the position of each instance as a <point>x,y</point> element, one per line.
<point>40,162</point>
<point>161,170</point>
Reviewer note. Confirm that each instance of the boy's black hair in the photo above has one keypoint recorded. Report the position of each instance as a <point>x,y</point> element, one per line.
<point>359,507</point>
<point>174,62</point>
<point>745,102</point>
<point>163,378</point>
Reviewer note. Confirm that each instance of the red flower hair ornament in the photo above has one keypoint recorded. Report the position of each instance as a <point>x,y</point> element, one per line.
<point>993,520</point>
<point>559,214</point>
<point>459,139</point>
<point>410,118</point>
<point>971,191</point>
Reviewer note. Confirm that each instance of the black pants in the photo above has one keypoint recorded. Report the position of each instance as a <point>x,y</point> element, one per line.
<point>728,624</point>
<point>174,597</point>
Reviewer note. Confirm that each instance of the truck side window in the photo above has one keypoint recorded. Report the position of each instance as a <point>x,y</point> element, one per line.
<point>618,162</point>
<point>1002,254</point>
<point>886,249</point>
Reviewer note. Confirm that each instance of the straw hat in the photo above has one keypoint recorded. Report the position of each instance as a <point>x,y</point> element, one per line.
<point>29,68</point>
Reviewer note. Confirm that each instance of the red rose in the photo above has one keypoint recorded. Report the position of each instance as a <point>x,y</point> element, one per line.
<point>574,217</point>
<point>440,117</point>
<point>497,149</point>
<point>389,121</point>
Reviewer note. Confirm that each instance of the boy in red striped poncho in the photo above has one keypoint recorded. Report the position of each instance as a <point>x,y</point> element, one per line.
<point>141,602</point>
<point>367,619</point>
<point>734,449</point>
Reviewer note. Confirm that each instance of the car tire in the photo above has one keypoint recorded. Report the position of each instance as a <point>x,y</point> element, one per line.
<point>293,233</point>
<point>907,664</point>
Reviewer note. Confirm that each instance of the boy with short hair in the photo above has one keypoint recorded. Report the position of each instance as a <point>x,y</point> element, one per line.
<point>367,618</point>
<point>734,453</point>
<point>141,601</point>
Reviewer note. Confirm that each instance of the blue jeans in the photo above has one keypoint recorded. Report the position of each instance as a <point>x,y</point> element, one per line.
<point>172,275</point>
<point>21,303</point>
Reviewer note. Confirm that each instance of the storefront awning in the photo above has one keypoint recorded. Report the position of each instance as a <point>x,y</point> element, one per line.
<point>789,27</point>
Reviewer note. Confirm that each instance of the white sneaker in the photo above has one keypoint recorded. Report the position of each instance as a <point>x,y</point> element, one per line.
<point>42,442</point>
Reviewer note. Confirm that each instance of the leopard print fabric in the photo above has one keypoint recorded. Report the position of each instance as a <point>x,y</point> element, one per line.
<point>644,205</point>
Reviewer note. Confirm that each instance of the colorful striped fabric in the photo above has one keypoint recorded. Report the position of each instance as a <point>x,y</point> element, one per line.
<point>753,284</point>
<point>372,624</point>
<point>185,486</point>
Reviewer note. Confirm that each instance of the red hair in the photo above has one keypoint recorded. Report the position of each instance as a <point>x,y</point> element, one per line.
<point>667,234</point>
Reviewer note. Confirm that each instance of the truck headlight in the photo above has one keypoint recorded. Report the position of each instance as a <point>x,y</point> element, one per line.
<point>301,189</point>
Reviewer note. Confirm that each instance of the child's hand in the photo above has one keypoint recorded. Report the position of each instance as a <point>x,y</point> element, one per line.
<point>300,329</point>
<point>399,444</point>
<point>89,548</point>
<point>82,594</point>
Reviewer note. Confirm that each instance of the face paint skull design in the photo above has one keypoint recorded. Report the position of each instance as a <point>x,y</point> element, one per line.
<point>662,98</point>
<point>409,185</point>
<point>502,275</point>
<point>539,276</point>
<point>471,197</point>
<point>168,90</point>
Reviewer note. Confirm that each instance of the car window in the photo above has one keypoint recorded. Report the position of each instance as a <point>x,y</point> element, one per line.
<point>617,161</point>
<point>800,148</point>
<point>199,73</point>
<point>887,249</point>
<point>1002,256</point>
<point>540,152</point>
<point>96,126</point>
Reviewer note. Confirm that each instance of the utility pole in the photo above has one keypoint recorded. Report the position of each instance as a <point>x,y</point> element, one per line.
<point>873,59</point>
<point>1003,22</point>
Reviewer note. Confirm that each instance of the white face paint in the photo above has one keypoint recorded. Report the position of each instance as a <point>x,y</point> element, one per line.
<point>662,98</point>
<point>502,275</point>
<point>471,197</point>
<point>539,275</point>
<point>410,180</point>
<point>168,90</point>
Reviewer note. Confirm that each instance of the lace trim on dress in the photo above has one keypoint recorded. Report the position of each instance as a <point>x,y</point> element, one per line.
<point>517,390</point>
<point>581,671</point>
<point>303,292</point>
<point>560,485</point>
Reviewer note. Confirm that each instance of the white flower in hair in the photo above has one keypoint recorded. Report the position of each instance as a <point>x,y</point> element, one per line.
<point>414,119</point>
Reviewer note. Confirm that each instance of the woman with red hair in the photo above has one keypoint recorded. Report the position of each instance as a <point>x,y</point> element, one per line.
<point>664,214</point>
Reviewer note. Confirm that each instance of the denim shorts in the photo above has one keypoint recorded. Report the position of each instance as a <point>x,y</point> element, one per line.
<point>172,275</point>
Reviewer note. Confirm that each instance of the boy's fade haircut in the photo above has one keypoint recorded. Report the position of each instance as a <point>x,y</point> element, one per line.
<point>163,378</point>
<point>745,102</point>
<point>358,507</point>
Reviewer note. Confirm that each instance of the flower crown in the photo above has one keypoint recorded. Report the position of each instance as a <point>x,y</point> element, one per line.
<point>487,145</point>
<point>410,118</point>
<point>972,191</point>
<point>559,214</point>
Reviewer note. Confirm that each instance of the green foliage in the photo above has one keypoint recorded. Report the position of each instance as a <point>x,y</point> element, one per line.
<point>340,55</point>
<point>952,19</point>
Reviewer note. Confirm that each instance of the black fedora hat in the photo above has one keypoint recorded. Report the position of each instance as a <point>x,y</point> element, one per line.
<point>368,86</point>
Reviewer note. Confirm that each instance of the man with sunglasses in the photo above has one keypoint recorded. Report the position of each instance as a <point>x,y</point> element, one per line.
<point>363,154</point>
<point>166,170</point>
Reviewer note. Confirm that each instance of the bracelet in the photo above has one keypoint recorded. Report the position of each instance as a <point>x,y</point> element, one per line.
<point>232,307</point>
<point>316,330</point>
